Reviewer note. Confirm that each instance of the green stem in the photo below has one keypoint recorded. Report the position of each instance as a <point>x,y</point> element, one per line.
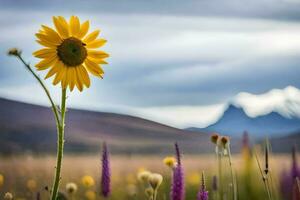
<point>264,178</point>
<point>154,194</point>
<point>60,124</point>
<point>54,108</point>
<point>219,154</point>
<point>233,179</point>
<point>60,146</point>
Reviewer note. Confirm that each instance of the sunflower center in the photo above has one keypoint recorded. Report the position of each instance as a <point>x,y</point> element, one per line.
<point>72,52</point>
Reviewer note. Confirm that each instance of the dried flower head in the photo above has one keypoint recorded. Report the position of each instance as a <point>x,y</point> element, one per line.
<point>224,141</point>
<point>71,188</point>
<point>14,52</point>
<point>8,196</point>
<point>170,161</point>
<point>155,180</point>
<point>214,138</point>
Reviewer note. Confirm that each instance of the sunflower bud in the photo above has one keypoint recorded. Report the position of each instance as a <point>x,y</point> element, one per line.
<point>155,180</point>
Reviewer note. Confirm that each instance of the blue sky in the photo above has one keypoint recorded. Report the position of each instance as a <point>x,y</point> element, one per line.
<point>177,62</point>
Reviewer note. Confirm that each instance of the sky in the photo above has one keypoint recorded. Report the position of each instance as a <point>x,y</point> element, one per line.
<point>175,62</point>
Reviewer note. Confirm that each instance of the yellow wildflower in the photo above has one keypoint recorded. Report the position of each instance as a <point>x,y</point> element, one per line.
<point>88,181</point>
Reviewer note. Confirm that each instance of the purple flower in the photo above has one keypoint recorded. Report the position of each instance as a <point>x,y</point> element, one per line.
<point>202,194</point>
<point>177,189</point>
<point>105,178</point>
<point>287,181</point>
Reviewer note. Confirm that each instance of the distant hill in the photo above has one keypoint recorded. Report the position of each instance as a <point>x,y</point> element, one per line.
<point>285,143</point>
<point>234,121</point>
<point>26,127</point>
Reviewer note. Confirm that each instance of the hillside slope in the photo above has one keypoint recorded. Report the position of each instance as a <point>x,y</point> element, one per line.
<point>26,127</point>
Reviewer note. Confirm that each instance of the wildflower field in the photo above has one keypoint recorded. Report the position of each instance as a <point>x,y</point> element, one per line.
<point>28,176</point>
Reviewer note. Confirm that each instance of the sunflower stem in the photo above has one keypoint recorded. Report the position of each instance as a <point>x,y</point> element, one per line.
<point>54,108</point>
<point>60,146</point>
<point>60,124</point>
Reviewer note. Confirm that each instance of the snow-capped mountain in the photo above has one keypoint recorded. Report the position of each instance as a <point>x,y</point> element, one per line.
<point>274,113</point>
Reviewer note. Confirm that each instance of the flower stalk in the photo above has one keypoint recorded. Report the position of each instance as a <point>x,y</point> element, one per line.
<point>60,146</point>
<point>264,177</point>
<point>54,108</point>
<point>233,178</point>
<point>60,121</point>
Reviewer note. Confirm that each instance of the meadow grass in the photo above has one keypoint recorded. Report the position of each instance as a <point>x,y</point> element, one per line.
<point>19,170</point>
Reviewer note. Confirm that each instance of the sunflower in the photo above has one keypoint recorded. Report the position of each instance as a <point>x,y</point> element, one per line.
<point>70,53</point>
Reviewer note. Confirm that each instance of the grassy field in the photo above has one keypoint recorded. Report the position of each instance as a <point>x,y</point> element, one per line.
<point>24,176</point>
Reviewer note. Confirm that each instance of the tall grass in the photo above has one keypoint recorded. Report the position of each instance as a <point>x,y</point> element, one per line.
<point>257,174</point>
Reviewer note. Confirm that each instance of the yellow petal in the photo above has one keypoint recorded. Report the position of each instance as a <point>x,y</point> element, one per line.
<point>64,79</point>
<point>93,68</point>
<point>72,77</point>
<point>47,38</point>
<point>98,61</point>
<point>97,54</point>
<point>44,53</point>
<point>54,69</point>
<point>46,44</point>
<point>52,33</point>
<point>84,28</point>
<point>74,26</point>
<point>61,26</point>
<point>85,76</point>
<point>96,43</point>
<point>59,75</point>
<point>79,84</point>
<point>46,63</point>
<point>90,37</point>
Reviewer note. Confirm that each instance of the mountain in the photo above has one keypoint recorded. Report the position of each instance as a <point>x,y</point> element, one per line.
<point>234,121</point>
<point>25,127</point>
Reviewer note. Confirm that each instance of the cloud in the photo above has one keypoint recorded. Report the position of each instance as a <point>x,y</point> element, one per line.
<point>184,59</point>
<point>285,101</point>
<point>271,9</point>
<point>183,116</point>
